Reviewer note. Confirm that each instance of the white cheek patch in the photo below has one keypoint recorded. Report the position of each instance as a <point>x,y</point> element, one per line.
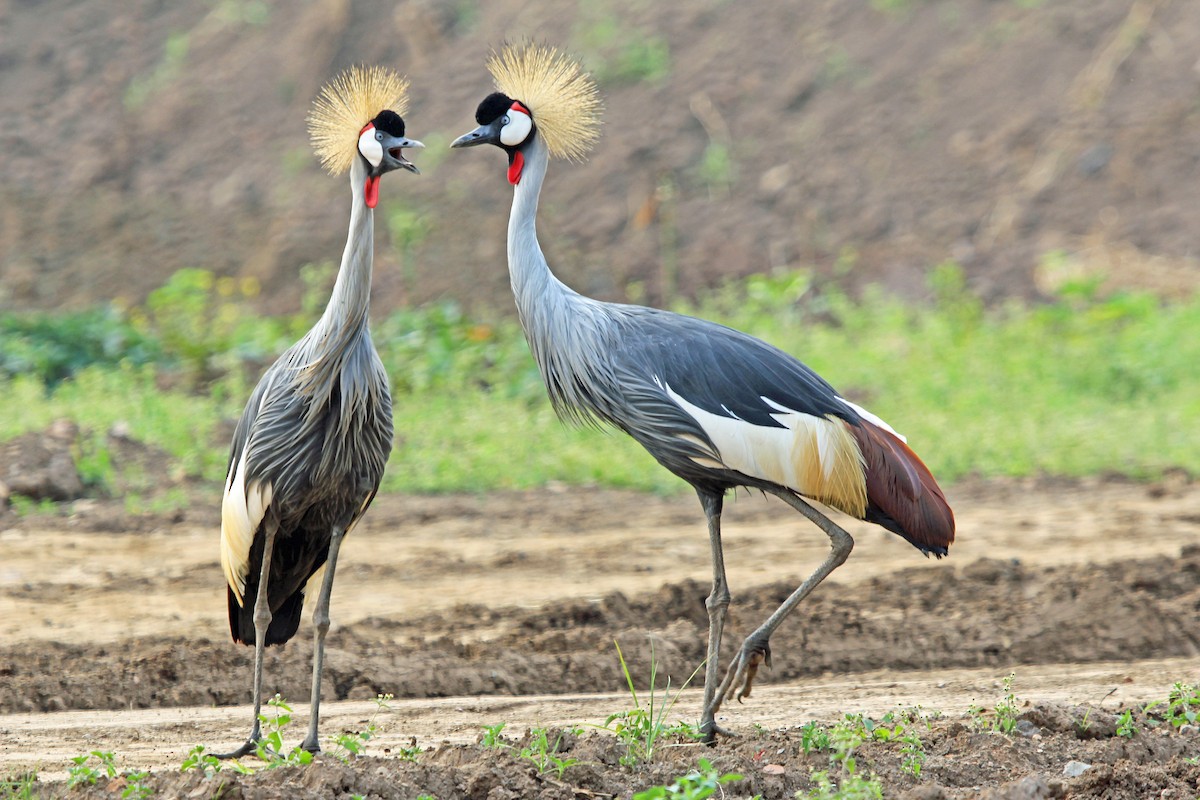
<point>370,147</point>
<point>518,128</point>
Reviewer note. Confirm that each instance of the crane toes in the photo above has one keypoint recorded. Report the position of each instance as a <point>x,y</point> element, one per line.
<point>248,747</point>
<point>745,668</point>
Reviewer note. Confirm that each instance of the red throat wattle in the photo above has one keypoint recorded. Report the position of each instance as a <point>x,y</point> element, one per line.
<point>371,191</point>
<point>515,167</point>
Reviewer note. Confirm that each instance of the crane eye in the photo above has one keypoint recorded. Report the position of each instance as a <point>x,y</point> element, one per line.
<point>515,128</point>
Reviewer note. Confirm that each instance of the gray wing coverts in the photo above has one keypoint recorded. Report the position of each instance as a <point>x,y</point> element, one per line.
<point>716,368</point>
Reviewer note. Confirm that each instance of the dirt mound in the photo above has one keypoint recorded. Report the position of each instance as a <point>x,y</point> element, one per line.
<point>988,613</point>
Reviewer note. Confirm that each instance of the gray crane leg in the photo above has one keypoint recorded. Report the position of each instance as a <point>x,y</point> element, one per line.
<point>321,624</point>
<point>262,620</point>
<point>756,649</point>
<point>717,604</point>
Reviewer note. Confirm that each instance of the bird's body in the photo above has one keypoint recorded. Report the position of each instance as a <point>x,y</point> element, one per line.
<point>315,434</point>
<point>309,450</point>
<point>717,407</point>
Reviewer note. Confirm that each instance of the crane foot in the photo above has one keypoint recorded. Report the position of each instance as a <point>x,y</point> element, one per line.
<point>251,747</point>
<point>248,747</point>
<point>745,667</point>
<point>712,731</point>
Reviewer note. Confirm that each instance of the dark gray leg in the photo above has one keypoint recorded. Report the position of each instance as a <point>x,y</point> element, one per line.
<point>756,649</point>
<point>717,604</point>
<point>262,620</point>
<point>321,624</point>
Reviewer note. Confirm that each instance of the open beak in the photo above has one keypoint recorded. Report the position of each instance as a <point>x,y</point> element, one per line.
<point>393,149</point>
<point>484,134</point>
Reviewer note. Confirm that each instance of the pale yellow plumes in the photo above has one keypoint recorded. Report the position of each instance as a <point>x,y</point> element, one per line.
<point>562,97</point>
<point>829,465</point>
<point>345,105</point>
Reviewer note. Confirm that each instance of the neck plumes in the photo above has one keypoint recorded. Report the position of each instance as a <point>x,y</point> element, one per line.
<point>350,301</point>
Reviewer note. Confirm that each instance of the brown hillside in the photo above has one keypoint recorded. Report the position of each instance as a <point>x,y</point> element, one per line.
<point>145,136</point>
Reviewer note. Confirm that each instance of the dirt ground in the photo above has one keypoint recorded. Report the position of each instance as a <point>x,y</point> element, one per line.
<point>479,610</point>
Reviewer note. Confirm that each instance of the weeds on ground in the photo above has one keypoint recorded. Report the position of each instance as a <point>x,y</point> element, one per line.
<point>18,786</point>
<point>1182,707</point>
<point>1126,726</point>
<point>1003,718</point>
<point>539,751</point>
<point>702,782</point>
<point>210,765</point>
<point>544,755</point>
<point>901,726</point>
<point>850,784</point>
<point>491,736</point>
<point>349,745</point>
<point>270,747</point>
<point>83,772</point>
<point>643,728</point>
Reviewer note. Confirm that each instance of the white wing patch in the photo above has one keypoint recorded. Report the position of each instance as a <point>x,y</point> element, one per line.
<point>815,456</point>
<point>869,417</point>
<point>242,509</point>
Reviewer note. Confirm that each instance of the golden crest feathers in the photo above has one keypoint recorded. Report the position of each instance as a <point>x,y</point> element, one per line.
<point>562,97</point>
<point>345,105</point>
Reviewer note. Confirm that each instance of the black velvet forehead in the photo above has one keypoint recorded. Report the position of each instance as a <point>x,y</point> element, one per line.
<point>493,107</point>
<point>389,122</point>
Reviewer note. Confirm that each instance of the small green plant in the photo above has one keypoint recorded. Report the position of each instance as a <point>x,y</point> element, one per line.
<point>1126,726</point>
<point>545,755</point>
<point>643,728</point>
<point>270,747</point>
<point>1182,706</point>
<point>84,773</point>
<point>699,783</point>
<point>135,788</point>
<point>1004,717</point>
<point>349,745</point>
<point>18,786</point>
<point>845,738</point>
<point>491,736</point>
<point>199,761</point>
<point>814,737</point>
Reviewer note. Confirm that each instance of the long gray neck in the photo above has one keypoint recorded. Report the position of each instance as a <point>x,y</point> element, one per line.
<point>349,304</point>
<point>538,293</point>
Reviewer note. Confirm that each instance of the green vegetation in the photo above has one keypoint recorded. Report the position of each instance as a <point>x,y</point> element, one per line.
<point>83,772</point>
<point>644,729</point>
<point>351,744</point>
<point>619,52</point>
<point>539,750</point>
<point>1003,718</point>
<point>544,755</point>
<point>18,786</point>
<point>1080,385</point>
<point>850,784</point>
<point>1182,707</point>
<point>702,782</point>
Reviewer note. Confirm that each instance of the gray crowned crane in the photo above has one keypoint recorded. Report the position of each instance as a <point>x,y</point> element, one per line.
<point>717,407</point>
<point>310,447</point>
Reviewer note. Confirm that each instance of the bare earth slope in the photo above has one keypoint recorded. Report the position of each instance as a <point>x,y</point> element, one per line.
<point>739,137</point>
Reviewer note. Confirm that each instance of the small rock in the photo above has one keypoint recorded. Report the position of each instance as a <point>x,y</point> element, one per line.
<point>774,769</point>
<point>1187,729</point>
<point>1027,728</point>
<point>1095,159</point>
<point>1074,769</point>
